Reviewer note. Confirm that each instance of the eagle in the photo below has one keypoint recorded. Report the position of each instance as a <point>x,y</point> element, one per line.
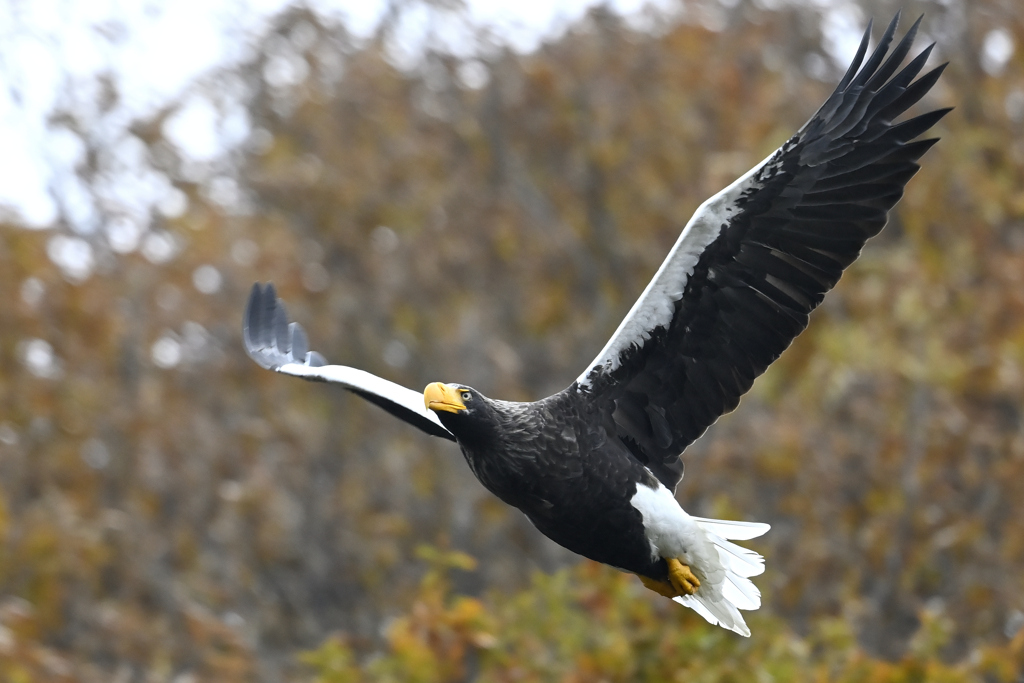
<point>595,466</point>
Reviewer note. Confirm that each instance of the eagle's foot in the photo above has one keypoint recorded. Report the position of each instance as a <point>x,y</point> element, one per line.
<point>682,579</point>
<point>659,587</point>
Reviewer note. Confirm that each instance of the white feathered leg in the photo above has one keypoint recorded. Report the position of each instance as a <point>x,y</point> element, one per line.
<point>704,546</point>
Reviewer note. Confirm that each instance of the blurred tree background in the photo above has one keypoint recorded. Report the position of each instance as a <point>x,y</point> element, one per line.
<point>171,512</point>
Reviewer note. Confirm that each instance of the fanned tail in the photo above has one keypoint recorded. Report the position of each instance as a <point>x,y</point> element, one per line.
<point>719,612</point>
<point>736,590</point>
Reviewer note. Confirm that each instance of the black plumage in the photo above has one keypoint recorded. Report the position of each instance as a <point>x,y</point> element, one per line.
<point>553,459</point>
<point>594,466</point>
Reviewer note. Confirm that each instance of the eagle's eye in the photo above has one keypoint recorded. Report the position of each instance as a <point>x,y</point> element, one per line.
<point>466,395</point>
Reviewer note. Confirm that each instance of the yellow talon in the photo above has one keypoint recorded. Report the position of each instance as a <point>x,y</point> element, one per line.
<point>681,577</point>
<point>681,581</point>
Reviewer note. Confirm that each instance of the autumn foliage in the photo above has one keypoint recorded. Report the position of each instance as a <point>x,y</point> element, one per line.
<point>171,512</point>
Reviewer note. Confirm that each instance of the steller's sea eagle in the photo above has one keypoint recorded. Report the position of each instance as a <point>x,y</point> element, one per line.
<point>595,466</point>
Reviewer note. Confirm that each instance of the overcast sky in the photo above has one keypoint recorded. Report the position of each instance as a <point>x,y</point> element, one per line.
<point>156,48</point>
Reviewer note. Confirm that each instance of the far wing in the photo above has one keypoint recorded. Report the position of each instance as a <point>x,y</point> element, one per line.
<point>278,345</point>
<point>759,256</point>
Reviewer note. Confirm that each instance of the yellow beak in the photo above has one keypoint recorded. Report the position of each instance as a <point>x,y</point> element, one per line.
<point>438,396</point>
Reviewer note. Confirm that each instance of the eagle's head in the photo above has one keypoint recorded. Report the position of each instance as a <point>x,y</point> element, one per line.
<point>464,411</point>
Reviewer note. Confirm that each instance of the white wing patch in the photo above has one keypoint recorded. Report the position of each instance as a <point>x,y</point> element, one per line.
<point>360,380</point>
<point>656,305</point>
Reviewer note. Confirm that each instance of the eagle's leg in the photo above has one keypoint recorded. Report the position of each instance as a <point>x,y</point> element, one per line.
<point>681,580</point>
<point>681,577</point>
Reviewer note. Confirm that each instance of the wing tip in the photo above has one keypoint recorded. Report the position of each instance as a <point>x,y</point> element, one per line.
<point>269,338</point>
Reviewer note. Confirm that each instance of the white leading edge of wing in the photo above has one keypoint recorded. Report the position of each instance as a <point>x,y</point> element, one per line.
<point>360,380</point>
<point>656,305</point>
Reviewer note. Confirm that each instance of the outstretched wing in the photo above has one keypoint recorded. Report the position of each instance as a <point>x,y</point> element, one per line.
<point>759,256</point>
<point>278,345</point>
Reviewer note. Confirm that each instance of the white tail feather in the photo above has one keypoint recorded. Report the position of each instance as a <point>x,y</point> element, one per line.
<point>721,566</point>
<point>741,592</point>
<point>721,612</point>
<point>720,604</point>
<point>736,531</point>
<point>742,561</point>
